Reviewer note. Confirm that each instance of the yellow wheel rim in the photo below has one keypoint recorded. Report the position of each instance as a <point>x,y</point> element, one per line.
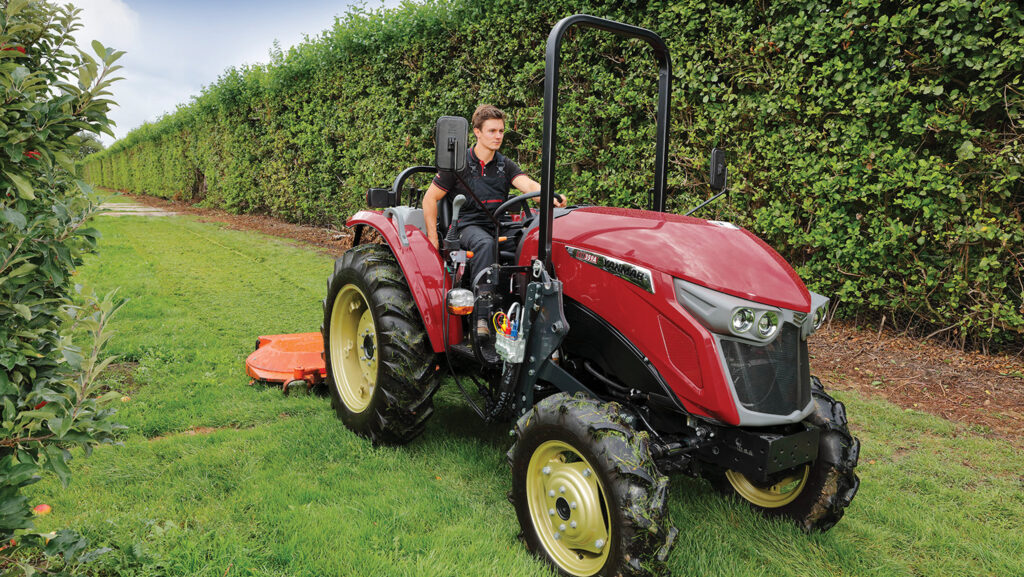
<point>354,350</point>
<point>568,508</point>
<point>778,495</point>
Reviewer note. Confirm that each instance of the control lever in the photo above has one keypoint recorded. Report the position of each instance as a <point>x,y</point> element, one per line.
<point>451,240</point>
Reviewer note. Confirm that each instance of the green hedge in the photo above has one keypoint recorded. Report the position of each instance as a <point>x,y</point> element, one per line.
<point>876,146</point>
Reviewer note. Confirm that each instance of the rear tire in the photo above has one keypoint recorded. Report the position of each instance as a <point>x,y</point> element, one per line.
<point>816,495</point>
<point>380,366</point>
<point>587,494</point>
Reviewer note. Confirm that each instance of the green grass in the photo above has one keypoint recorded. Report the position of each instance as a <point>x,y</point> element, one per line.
<point>281,487</point>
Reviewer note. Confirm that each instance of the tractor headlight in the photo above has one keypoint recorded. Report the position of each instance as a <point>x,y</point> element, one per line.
<point>819,316</point>
<point>742,320</point>
<point>767,325</point>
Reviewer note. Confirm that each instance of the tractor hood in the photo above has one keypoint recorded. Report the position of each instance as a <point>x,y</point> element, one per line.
<point>717,255</point>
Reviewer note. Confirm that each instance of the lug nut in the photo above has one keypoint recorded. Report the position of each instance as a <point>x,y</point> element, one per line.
<point>546,470</point>
<point>558,536</point>
<point>599,543</point>
<point>572,524</point>
<point>561,527</point>
<point>551,512</point>
<point>586,472</point>
<point>551,493</point>
<point>572,505</point>
<point>561,489</point>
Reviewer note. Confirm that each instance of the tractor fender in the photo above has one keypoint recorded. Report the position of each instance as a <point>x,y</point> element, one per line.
<point>421,265</point>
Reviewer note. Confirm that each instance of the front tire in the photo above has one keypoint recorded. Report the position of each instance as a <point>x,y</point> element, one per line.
<point>814,496</point>
<point>380,367</point>
<point>587,494</point>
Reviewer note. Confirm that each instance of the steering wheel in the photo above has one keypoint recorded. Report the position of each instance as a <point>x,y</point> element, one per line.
<point>503,208</point>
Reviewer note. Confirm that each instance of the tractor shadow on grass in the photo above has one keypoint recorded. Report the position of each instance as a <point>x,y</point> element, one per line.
<point>455,419</point>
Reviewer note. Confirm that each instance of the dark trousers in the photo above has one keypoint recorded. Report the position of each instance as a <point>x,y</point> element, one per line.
<point>480,240</point>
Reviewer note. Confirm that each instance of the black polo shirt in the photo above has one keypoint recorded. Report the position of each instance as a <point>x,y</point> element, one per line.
<point>500,165</point>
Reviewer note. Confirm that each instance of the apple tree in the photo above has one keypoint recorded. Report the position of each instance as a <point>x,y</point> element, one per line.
<point>50,401</point>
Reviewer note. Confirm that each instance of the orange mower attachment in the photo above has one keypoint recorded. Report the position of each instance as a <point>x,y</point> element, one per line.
<point>288,361</point>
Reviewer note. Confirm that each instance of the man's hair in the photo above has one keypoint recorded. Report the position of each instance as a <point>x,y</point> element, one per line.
<point>486,112</point>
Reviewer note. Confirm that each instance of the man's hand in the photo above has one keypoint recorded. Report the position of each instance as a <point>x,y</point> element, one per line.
<point>525,184</point>
<point>434,193</point>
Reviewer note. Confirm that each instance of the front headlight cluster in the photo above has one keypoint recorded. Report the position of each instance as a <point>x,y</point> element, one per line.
<point>747,322</point>
<point>732,316</point>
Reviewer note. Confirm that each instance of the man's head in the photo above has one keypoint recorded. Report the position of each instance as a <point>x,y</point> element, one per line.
<point>489,126</point>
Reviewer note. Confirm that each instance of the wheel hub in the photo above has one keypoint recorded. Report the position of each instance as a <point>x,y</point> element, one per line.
<point>568,508</point>
<point>353,347</point>
<point>562,507</point>
<point>779,494</point>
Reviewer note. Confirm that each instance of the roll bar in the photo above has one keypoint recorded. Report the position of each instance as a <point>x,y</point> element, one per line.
<point>553,60</point>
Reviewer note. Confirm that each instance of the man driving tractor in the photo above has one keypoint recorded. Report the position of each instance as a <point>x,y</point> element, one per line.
<point>490,175</point>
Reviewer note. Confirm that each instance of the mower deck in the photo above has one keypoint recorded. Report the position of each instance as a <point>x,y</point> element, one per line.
<point>288,360</point>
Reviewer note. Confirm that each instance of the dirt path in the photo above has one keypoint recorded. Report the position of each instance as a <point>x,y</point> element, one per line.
<point>982,391</point>
<point>133,209</point>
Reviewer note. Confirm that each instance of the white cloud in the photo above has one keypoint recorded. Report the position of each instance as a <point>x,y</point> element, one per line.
<point>112,22</point>
<point>115,25</point>
<point>174,48</point>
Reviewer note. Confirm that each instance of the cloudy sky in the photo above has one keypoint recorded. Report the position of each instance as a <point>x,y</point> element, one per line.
<point>175,47</point>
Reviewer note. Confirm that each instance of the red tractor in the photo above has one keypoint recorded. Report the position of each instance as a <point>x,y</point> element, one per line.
<point>633,343</point>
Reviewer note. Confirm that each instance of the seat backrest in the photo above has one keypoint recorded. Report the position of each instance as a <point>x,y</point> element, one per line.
<point>444,215</point>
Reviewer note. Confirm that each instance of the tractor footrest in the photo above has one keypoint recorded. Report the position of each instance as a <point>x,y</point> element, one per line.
<point>285,359</point>
<point>466,350</point>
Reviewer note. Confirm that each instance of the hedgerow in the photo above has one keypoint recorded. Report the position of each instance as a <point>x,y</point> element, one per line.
<point>876,145</point>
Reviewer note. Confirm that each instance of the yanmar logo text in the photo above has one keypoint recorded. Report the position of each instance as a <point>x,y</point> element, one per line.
<point>631,273</point>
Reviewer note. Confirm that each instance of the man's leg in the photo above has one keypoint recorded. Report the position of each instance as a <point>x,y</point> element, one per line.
<point>481,242</point>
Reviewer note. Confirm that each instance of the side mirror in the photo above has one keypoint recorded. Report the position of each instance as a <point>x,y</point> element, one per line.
<point>381,198</point>
<point>717,179</point>
<point>451,135</point>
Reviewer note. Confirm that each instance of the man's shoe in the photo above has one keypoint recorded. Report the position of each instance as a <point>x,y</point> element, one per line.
<point>483,331</point>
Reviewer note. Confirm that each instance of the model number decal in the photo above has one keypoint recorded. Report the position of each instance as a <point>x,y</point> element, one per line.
<point>631,273</point>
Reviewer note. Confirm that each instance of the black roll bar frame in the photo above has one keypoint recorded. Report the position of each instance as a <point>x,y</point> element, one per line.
<point>552,62</point>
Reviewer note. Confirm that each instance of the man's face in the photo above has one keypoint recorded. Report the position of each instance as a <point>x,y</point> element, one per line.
<point>491,133</point>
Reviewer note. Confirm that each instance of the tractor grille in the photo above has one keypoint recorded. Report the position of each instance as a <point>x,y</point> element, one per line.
<point>772,379</point>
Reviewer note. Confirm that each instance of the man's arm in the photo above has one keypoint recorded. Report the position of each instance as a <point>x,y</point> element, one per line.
<point>525,184</point>
<point>430,198</point>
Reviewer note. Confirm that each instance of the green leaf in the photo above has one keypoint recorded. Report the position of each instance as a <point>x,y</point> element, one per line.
<point>86,74</point>
<point>24,269</point>
<point>14,217</point>
<point>15,7</point>
<point>73,358</point>
<point>55,462</point>
<point>20,474</point>
<point>24,188</point>
<point>20,74</point>
<point>101,51</point>
<point>966,150</point>
<point>65,162</point>
<point>23,310</point>
<point>84,187</point>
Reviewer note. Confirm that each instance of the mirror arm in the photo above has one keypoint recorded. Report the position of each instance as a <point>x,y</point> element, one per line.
<point>725,190</point>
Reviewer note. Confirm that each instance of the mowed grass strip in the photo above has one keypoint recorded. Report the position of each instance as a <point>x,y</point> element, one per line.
<point>215,477</point>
